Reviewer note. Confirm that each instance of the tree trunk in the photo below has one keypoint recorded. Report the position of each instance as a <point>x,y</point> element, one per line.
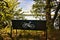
<point>49,23</point>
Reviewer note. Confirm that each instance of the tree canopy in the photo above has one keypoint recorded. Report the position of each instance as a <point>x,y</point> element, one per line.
<point>7,11</point>
<point>46,7</point>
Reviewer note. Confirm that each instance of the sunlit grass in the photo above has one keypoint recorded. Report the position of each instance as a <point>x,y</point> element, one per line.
<point>32,32</point>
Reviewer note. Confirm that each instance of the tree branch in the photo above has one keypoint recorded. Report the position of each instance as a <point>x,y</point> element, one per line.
<point>56,12</point>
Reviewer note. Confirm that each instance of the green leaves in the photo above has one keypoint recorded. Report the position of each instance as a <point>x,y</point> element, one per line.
<point>38,7</point>
<point>7,13</point>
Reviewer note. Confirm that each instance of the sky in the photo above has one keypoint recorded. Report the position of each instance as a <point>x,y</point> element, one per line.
<point>26,5</point>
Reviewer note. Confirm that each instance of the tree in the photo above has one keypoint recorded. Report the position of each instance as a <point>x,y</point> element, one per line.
<point>7,11</point>
<point>48,6</point>
<point>56,12</point>
<point>38,7</point>
<point>48,13</point>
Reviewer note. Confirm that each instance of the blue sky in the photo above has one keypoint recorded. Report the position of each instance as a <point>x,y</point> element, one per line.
<point>26,5</point>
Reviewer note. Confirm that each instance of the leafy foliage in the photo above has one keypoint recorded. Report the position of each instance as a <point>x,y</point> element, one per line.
<point>38,7</point>
<point>7,11</point>
<point>46,7</point>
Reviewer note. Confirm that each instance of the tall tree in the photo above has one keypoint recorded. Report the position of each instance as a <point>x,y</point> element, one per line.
<point>48,15</point>
<point>48,6</point>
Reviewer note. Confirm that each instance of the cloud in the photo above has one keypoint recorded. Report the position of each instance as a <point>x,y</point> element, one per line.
<point>26,5</point>
<point>21,0</point>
